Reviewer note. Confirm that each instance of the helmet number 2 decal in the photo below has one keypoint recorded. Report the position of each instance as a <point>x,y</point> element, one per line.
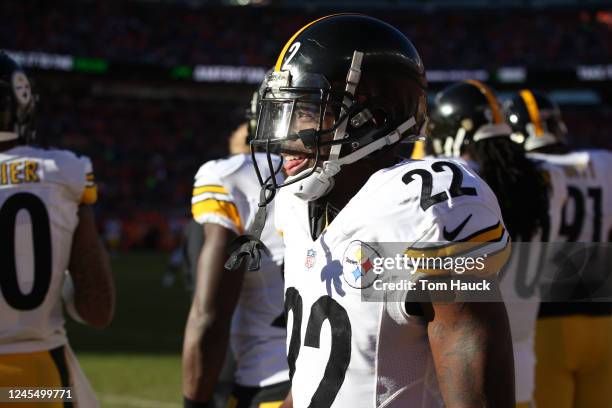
<point>292,51</point>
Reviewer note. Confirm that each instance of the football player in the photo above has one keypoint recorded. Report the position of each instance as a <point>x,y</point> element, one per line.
<point>573,342</point>
<point>467,124</point>
<point>48,227</point>
<point>241,311</point>
<point>345,90</point>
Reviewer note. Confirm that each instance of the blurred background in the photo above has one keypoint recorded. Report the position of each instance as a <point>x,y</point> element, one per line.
<point>150,90</point>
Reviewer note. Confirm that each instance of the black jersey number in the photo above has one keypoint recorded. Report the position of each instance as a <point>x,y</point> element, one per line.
<point>41,235</point>
<point>325,308</point>
<point>455,190</point>
<point>573,228</point>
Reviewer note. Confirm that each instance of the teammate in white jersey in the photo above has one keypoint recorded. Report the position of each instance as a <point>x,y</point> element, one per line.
<point>468,124</point>
<point>345,90</point>
<point>48,229</point>
<point>240,309</point>
<point>573,340</point>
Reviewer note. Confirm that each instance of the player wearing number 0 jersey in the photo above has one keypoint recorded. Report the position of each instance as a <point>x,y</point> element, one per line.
<point>345,90</point>
<point>226,197</point>
<point>467,123</point>
<point>47,228</point>
<point>574,366</point>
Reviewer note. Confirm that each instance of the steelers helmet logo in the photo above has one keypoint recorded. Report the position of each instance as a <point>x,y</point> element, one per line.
<point>22,88</point>
<point>467,124</point>
<point>358,265</point>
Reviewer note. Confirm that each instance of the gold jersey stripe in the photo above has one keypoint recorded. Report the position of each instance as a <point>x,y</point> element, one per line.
<point>210,188</point>
<point>532,110</point>
<point>90,195</point>
<point>493,104</point>
<point>478,239</point>
<point>279,61</point>
<point>225,209</point>
<point>489,234</point>
<point>493,262</point>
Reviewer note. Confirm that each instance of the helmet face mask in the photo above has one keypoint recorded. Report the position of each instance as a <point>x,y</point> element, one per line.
<point>298,122</point>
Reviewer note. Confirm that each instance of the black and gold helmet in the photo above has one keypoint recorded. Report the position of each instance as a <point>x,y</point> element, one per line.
<point>535,120</point>
<point>17,102</point>
<point>464,113</point>
<point>358,78</point>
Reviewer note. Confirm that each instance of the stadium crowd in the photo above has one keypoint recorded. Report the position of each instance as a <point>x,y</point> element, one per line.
<point>175,34</point>
<point>140,149</point>
<point>151,150</point>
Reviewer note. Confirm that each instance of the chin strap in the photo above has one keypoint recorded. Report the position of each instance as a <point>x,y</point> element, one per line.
<point>391,138</point>
<point>250,243</point>
<point>352,80</point>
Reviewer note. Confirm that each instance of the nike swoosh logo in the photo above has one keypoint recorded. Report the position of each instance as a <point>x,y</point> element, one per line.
<point>451,235</point>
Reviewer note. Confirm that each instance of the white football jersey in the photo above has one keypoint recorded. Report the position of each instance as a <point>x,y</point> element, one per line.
<point>40,192</point>
<point>226,192</point>
<point>587,215</point>
<point>520,285</point>
<point>347,352</point>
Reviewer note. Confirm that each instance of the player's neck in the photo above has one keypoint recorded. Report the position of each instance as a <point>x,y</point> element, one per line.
<point>353,176</point>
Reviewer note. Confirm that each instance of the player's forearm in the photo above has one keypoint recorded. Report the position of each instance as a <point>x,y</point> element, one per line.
<point>208,326</point>
<point>89,267</point>
<point>204,349</point>
<point>472,353</point>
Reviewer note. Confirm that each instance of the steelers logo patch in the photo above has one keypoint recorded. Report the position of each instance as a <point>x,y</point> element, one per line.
<point>22,88</point>
<point>358,265</point>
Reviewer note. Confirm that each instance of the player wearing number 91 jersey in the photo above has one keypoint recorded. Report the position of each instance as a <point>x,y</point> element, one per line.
<point>47,228</point>
<point>345,90</point>
<point>574,357</point>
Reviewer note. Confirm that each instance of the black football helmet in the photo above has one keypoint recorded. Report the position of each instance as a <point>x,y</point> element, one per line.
<point>464,113</point>
<point>359,81</point>
<point>17,102</point>
<point>535,120</point>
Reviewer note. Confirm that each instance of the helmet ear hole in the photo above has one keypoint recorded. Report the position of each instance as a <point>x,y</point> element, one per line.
<point>379,117</point>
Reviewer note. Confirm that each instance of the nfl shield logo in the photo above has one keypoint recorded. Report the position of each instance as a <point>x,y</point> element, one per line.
<point>310,258</point>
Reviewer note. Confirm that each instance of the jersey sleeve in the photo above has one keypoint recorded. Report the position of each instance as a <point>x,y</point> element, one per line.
<point>468,239</point>
<point>77,174</point>
<point>212,202</point>
<point>90,192</point>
